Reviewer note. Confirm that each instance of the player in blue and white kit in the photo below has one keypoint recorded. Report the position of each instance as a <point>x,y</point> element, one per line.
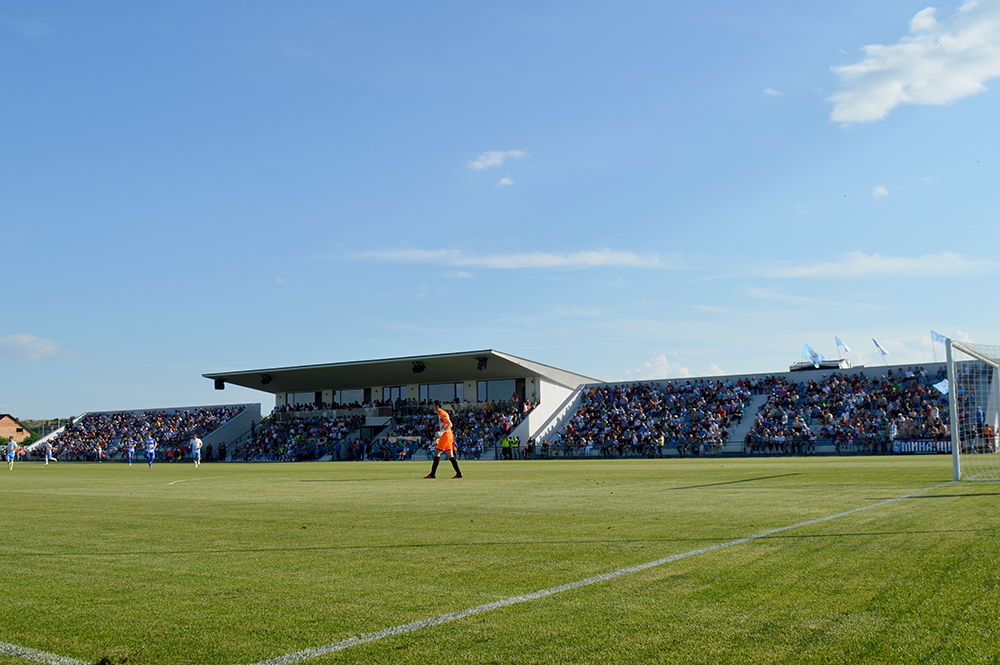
<point>150,450</point>
<point>131,451</point>
<point>11,453</point>
<point>196,450</point>
<point>49,457</point>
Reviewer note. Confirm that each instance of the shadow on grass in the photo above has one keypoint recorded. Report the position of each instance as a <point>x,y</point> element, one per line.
<point>951,496</point>
<point>873,533</point>
<point>732,482</point>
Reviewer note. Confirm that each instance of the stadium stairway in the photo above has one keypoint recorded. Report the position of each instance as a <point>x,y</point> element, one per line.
<point>734,446</point>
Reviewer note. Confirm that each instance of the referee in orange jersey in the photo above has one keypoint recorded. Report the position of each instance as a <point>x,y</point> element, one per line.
<point>445,443</point>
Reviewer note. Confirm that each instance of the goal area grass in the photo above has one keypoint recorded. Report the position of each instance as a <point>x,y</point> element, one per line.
<point>886,561</point>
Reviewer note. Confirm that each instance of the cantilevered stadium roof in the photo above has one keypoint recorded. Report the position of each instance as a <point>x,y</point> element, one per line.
<point>444,368</point>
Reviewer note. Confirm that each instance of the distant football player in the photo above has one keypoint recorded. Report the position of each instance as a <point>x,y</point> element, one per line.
<point>150,450</point>
<point>196,450</point>
<point>11,453</point>
<point>445,443</point>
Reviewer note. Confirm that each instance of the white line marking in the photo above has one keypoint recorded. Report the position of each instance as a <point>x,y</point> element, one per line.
<point>36,656</point>
<point>188,480</point>
<point>307,654</point>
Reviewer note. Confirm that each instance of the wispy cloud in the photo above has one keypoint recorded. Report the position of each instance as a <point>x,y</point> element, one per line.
<point>939,62</point>
<point>880,192</point>
<point>770,295</point>
<point>27,347</point>
<point>601,258</point>
<point>504,182</point>
<point>858,264</point>
<point>771,92</point>
<point>488,160</point>
<point>577,311</point>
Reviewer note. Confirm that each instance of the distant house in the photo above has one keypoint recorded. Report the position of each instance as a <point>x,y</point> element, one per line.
<point>12,427</point>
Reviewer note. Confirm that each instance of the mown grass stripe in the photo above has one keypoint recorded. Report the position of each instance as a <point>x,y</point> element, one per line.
<point>307,654</point>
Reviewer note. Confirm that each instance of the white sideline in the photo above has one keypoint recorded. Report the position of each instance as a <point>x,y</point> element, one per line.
<point>36,656</point>
<point>306,654</point>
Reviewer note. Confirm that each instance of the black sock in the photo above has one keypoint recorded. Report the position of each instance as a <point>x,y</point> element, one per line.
<point>454,463</point>
<point>434,467</point>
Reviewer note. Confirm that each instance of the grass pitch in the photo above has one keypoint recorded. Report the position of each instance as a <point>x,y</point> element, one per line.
<point>239,563</point>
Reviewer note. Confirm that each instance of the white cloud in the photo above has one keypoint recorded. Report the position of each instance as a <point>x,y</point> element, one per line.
<point>504,182</point>
<point>924,21</point>
<point>279,280</point>
<point>601,258</point>
<point>858,264</point>
<point>658,367</point>
<point>493,158</point>
<point>879,192</point>
<point>939,62</point>
<point>27,347</point>
<point>771,92</point>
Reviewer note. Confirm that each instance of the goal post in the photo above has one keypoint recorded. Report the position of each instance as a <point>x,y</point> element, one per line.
<point>974,409</point>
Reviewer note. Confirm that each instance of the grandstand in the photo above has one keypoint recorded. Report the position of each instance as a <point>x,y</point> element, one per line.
<point>493,395</point>
<point>104,435</point>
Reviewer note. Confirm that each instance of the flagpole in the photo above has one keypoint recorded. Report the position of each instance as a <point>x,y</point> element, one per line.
<point>881,351</point>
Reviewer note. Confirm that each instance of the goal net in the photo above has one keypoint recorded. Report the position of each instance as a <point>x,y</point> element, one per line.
<point>974,404</point>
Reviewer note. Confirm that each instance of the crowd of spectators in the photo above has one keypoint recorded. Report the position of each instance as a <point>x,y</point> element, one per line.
<point>101,436</point>
<point>855,413</point>
<point>297,439</point>
<point>642,419</point>
<point>476,427</point>
<point>293,433</point>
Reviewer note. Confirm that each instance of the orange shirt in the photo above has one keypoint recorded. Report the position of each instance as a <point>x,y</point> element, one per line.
<point>447,439</point>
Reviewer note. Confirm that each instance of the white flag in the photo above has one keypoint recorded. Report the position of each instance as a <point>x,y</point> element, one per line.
<point>840,342</point>
<point>938,337</point>
<point>879,347</point>
<point>942,387</point>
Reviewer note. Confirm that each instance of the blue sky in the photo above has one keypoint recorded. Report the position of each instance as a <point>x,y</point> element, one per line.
<point>627,190</point>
